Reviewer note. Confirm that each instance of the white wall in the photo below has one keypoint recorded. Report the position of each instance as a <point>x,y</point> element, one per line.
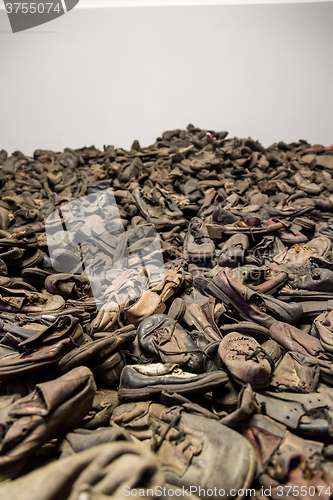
<point>108,76</point>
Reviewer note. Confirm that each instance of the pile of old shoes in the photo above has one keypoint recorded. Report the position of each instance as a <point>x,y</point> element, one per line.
<point>166,320</point>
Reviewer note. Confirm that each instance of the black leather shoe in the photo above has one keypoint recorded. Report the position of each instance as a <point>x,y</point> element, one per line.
<point>139,382</point>
<point>163,338</point>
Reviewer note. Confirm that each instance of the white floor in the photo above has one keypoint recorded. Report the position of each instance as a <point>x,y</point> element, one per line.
<point>112,75</point>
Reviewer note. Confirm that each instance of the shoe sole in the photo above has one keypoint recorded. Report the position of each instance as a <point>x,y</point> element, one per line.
<point>191,388</point>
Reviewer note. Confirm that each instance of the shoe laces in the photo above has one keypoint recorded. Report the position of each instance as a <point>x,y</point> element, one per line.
<point>257,354</point>
<point>325,356</point>
<point>195,229</point>
<point>290,388</point>
<point>173,424</point>
<point>163,335</point>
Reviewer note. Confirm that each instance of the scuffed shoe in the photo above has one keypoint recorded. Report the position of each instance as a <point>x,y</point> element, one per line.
<point>191,448</point>
<point>53,408</point>
<point>147,381</point>
<point>163,338</point>
<point>246,360</point>
<point>197,244</point>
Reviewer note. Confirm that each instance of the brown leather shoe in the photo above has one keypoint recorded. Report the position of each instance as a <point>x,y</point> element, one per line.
<point>250,305</point>
<point>22,301</point>
<point>296,373</point>
<point>99,348</point>
<point>191,448</point>
<point>69,286</point>
<point>322,328</point>
<point>295,340</point>
<point>266,279</point>
<point>163,338</point>
<point>312,279</point>
<point>53,408</point>
<point>195,316</point>
<point>247,362</point>
<point>197,243</point>
<point>233,251</point>
<point>43,349</point>
<point>284,459</point>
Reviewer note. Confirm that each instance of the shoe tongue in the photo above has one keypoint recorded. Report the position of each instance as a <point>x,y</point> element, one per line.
<point>50,334</point>
<point>163,335</point>
<point>158,321</point>
<point>196,229</point>
<point>253,221</point>
<point>67,287</point>
<point>220,215</point>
